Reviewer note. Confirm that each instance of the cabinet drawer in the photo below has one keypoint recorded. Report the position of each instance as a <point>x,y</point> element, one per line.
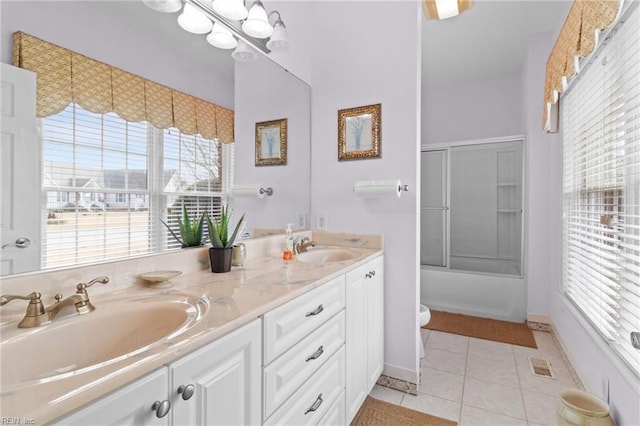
<point>313,400</point>
<point>283,376</point>
<point>291,322</point>
<point>336,414</point>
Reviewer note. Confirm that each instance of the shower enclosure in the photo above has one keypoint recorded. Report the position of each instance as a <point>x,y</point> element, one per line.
<point>471,228</point>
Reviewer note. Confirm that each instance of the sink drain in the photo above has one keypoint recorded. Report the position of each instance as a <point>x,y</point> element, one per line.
<point>541,368</point>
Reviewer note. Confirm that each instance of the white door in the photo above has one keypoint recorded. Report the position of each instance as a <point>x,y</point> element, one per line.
<point>220,384</point>
<point>375,321</point>
<point>356,346</point>
<point>20,163</point>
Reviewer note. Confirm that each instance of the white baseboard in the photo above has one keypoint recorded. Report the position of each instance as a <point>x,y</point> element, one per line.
<point>544,319</point>
<point>569,360</point>
<point>401,373</point>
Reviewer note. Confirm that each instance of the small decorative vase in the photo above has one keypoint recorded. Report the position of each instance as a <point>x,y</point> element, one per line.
<point>579,408</point>
<point>220,259</point>
<point>239,254</point>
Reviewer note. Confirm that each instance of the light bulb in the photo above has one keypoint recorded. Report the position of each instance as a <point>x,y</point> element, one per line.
<point>221,37</point>
<point>257,25</point>
<point>194,21</point>
<point>230,9</point>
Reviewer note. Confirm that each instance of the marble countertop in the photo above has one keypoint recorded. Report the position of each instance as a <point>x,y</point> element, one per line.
<point>230,301</point>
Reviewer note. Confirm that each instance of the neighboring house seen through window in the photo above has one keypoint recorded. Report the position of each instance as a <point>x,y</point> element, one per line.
<point>108,182</point>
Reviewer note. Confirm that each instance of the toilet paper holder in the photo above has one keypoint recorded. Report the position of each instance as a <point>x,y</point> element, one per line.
<point>379,188</point>
<point>251,191</point>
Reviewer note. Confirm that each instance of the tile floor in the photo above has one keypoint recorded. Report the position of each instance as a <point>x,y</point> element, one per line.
<point>477,382</point>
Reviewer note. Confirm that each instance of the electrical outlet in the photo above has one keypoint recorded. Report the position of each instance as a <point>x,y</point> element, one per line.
<point>321,221</point>
<point>301,221</point>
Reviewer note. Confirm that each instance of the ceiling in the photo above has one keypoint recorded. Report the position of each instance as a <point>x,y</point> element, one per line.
<point>488,40</point>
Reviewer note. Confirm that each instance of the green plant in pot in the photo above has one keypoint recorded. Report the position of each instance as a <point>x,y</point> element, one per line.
<point>191,230</point>
<point>221,243</point>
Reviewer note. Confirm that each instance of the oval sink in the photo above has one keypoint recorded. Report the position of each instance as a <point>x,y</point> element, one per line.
<point>113,332</point>
<point>326,255</point>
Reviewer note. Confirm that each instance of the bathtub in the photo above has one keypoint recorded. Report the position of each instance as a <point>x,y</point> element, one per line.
<point>479,287</point>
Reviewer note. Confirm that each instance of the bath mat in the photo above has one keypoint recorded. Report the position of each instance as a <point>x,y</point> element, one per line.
<point>379,413</point>
<point>512,333</point>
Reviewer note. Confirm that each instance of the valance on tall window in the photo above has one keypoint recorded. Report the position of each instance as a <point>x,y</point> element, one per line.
<point>578,37</point>
<point>65,77</point>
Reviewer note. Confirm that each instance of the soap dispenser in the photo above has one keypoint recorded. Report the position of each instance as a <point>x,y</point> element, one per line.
<point>287,252</point>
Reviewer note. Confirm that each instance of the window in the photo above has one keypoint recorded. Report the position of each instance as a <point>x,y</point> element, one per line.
<point>108,182</point>
<point>601,191</point>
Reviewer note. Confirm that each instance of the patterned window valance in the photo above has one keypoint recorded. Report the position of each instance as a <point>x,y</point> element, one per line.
<point>578,37</point>
<point>65,77</point>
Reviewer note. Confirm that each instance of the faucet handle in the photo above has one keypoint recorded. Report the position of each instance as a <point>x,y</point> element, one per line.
<point>81,288</point>
<point>32,297</point>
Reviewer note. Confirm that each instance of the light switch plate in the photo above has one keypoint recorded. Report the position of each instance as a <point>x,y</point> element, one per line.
<point>321,221</point>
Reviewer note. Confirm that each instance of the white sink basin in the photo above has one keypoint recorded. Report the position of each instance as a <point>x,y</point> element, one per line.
<point>326,255</point>
<point>114,331</point>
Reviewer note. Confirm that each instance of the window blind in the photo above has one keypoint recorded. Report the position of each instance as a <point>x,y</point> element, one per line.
<point>601,189</point>
<point>108,182</point>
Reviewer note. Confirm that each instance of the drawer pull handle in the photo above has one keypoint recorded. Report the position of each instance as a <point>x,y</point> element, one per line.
<point>315,355</point>
<point>316,311</point>
<point>161,408</point>
<point>315,405</point>
<point>186,391</point>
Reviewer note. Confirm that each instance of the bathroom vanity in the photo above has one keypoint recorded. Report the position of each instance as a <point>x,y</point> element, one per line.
<point>267,343</point>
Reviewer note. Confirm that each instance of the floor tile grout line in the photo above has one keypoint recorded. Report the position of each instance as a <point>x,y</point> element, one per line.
<point>464,382</point>
<point>524,405</point>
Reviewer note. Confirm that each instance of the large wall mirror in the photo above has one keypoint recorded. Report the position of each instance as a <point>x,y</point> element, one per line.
<point>130,36</point>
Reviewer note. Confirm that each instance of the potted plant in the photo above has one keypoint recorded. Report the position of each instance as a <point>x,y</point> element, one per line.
<point>221,243</point>
<point>190,230</point>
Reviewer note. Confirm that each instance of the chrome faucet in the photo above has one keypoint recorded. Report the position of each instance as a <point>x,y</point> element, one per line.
<point>37,315</point>
<point>303,245</point>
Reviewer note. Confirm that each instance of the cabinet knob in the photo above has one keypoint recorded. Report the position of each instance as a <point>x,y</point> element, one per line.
<point>315,405</point>
<point>316,311</point>
<point>186,391</point>
<point>161,408</point>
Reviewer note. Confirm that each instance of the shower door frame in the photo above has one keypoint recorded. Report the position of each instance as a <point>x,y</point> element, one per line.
<point>446,146</point>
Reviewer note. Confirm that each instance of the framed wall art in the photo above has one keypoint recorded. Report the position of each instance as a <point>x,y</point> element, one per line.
<point>359,132</point>
<point>271,143</point>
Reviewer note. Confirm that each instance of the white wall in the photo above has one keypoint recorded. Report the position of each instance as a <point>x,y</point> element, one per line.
<point>86,30</point>
<point>266,92</point>
<point>356,64</point>
<point>477,109</point>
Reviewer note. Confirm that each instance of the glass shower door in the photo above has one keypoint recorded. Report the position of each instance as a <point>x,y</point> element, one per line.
<point>433,208</point>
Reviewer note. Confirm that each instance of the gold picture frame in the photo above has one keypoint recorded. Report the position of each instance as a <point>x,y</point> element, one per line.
<point>271,143</point>
<point>359,132</point>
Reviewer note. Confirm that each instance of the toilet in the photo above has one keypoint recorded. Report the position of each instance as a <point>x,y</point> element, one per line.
<point>425,316</point>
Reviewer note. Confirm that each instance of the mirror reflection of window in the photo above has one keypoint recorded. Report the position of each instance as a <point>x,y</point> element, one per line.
<point>108,181</point>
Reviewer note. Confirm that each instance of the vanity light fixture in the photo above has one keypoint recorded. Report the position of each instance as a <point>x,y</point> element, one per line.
<point>443,9</point>
<point>257,24</point>
<point>221,37</point>
<point>244,52</point>
<point>278,41</point>
<point>230,9</point>
<point>194,21</point>
<point>235,26</point>
<point>164,6</point>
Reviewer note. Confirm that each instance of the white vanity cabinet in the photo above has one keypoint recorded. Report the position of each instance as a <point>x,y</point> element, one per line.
<point>304,373</point>
<point>220,384</point>
<point>364,332</point>
<point>129,405</point>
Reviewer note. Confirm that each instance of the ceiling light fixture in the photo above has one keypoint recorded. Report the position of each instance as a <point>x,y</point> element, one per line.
<point>247,31</point>
<point>443,9</point>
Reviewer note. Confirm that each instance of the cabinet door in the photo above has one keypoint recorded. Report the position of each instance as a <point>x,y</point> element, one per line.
<point>375,322</point>
<point>225,377</point>
<point>130,405</point>
<point>356,334</point>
